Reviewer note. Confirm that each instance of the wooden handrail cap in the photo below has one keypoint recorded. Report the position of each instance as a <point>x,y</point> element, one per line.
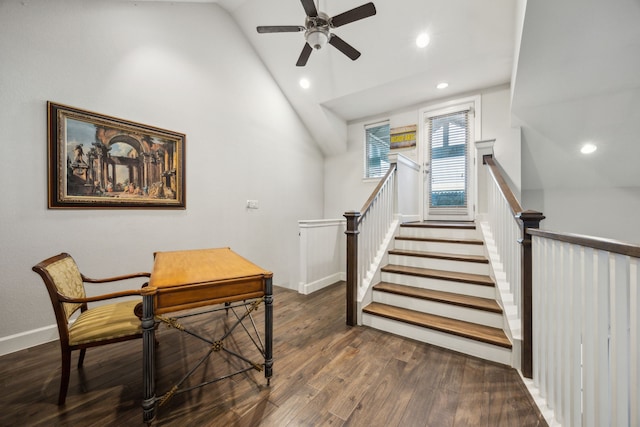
<point>530,215</point>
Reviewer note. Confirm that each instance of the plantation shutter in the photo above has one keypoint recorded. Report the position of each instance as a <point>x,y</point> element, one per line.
<point>448,145</point>
<point>377,150</point>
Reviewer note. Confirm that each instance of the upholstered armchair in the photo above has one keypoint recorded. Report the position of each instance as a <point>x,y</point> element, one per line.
<point>96,326</point>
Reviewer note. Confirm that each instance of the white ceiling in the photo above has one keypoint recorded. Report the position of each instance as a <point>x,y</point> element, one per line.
<point>472,44</point>
<point>577,78</point>
<point>578,81</point>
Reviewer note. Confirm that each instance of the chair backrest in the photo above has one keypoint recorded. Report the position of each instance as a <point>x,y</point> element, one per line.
<point>62,278</point>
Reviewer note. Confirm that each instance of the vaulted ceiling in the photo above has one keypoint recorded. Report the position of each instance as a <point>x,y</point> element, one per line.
<point>574,69</point>
<point>472,45</point>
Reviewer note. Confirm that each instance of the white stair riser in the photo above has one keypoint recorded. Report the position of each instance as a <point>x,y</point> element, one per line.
<point>466,314</point>
<point>440,285</point>
<point>440,264</point>
<point>441,339</point>
<point>441,247</point>
<point>440,233</point>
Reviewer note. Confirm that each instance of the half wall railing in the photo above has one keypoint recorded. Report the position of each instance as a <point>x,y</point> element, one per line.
<point>578,300</point>
<point>586,328</point>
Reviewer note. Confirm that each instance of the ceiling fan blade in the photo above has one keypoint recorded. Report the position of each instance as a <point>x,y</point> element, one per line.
<point>344,47</point>
<point>309,8</point>
<point>280,29</point>
<point>360,12</point>
<point>304,55</point>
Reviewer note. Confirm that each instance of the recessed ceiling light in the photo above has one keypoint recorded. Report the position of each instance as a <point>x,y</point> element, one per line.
<point>305,83</point>
<point>442,85</point>
<point>422,40</point>
<point>588,148</point>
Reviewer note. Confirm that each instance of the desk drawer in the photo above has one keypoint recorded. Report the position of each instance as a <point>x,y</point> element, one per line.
<point>185,297</point>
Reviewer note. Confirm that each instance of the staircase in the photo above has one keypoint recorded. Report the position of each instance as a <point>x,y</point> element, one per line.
<point>437,289</point>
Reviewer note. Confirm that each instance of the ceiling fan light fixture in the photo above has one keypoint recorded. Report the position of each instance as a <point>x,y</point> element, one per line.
<point>317,38</point>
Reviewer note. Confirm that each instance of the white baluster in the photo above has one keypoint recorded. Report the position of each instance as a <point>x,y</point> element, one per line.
<point>619,340</point>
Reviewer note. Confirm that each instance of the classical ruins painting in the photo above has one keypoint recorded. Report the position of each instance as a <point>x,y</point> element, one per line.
<point>97,161</point>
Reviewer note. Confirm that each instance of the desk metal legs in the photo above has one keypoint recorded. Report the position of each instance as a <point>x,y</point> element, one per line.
<point>148,357</point>
<point>268,330</point>
<point>150,401</point>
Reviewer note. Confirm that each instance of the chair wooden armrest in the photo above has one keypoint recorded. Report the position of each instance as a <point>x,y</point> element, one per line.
<point>115,278</point>
<point>100,297</point>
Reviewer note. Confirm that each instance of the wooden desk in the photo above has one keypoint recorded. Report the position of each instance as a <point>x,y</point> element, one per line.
<point>182,280</point>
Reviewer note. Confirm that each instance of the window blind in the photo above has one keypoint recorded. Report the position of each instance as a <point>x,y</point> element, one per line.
<point>377,150</point>
<point>448,145</point>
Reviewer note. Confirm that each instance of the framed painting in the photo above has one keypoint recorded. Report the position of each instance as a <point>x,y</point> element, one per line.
<point>98,161</point>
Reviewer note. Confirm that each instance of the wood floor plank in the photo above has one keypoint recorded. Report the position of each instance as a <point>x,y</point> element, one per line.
<point>368,411</point>
<point>473,405</point>
<point>405,382</point>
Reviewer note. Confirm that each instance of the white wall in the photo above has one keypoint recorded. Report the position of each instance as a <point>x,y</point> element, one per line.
<point>183,67</point>
<point>345,188</point>
<point>599,212</point>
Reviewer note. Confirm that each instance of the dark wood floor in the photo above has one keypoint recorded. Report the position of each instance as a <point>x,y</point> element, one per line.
<point>325,374</point>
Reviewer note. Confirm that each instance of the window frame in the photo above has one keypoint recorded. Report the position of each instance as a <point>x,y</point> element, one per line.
<point>367,167</point>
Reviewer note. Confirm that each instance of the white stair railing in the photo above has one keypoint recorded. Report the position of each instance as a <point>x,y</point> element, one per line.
<point>366,230</point>
<point>508,227</point>
<point>506,232</point>
<point>586,329</point>
<point>394,199</point>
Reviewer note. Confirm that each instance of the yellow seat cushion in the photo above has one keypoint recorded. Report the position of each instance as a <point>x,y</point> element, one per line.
<point>105,322</point>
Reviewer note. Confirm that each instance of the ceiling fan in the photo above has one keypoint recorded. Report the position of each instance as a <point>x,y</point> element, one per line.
<point>317,28</point>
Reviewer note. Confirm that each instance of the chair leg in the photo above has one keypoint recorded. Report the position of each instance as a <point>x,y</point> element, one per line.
<point>64,379</point>
<point>81,358</point>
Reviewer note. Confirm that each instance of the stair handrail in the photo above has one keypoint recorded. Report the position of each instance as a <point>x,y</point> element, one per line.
<point>359,260</point>
<point>513,242</point>
<point>506,191</point>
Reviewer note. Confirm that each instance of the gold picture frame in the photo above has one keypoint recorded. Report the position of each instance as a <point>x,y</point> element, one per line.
<point>97,161</point>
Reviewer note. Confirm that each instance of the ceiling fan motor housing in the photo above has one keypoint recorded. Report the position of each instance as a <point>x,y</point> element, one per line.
<point>317,34</point>
<point>317,29</point>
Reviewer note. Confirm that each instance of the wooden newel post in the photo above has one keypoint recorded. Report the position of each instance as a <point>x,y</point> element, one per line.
<point>352,266</point>
<point>529,219</point>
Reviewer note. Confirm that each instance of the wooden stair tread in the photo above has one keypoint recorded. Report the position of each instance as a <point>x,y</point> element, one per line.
<point>439,255</point>
<point>464,225</point>
<point>459,328</point>
<point>475,279</point>
<point>441,240</point>
<point>478,303</point>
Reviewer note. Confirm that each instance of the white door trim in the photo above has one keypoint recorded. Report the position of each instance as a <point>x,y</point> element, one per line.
<point>475,133</point>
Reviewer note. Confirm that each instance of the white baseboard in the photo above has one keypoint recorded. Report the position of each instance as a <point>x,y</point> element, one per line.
<point>307,288</point>
<point>23,340</point>
<point>541,402</point>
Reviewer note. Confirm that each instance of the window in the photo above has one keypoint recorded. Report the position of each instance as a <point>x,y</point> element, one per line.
<point>376,150</point>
